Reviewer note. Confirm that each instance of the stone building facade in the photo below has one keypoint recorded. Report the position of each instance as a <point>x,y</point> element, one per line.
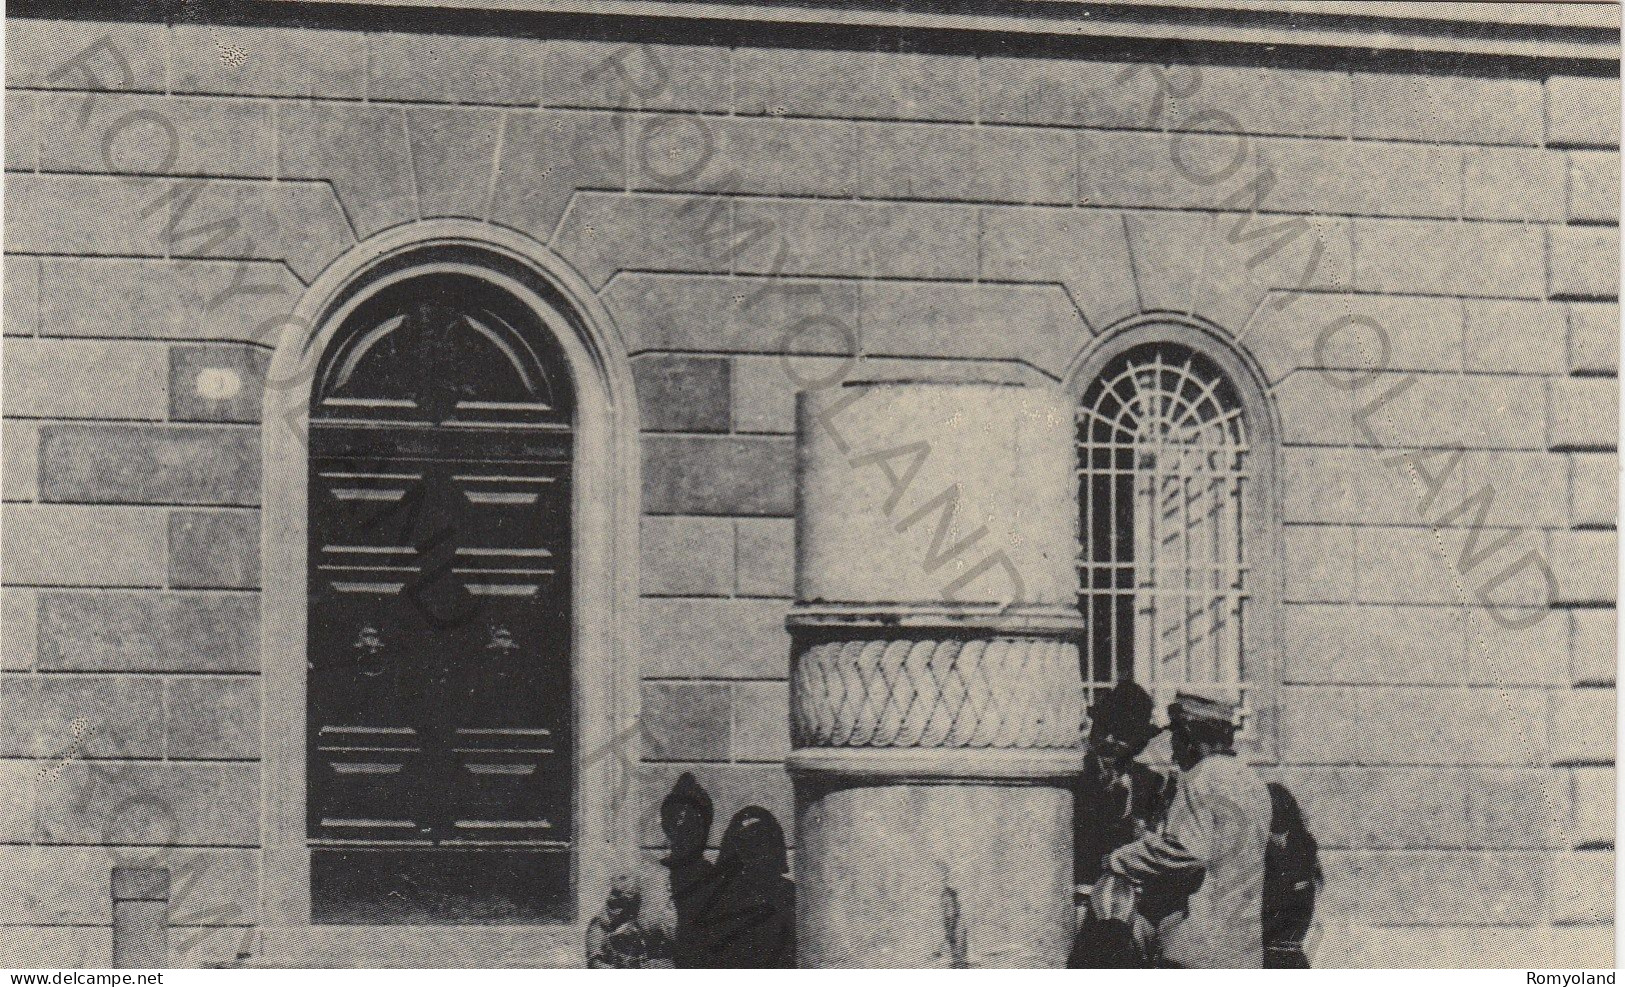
<point>1373,236</point>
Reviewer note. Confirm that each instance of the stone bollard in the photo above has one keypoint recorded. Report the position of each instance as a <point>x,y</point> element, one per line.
<point>140,918</point>
<point>935,691</point>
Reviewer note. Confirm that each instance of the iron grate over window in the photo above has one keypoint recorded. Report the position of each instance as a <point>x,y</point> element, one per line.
<point>1163,482</point>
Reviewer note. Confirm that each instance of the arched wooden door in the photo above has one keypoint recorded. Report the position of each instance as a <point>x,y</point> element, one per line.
<point>439,695</point>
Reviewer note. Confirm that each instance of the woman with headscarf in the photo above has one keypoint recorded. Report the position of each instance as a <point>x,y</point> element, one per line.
<point>685,817</point>
<point>752,920</point>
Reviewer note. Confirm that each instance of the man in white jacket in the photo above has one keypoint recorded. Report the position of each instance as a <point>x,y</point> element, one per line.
<point>1212,846</point>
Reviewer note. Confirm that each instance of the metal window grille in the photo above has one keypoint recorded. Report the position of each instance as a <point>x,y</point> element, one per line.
<point>1163,575</point>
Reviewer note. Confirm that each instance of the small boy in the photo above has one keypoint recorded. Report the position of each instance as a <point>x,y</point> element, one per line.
<point>616,938</point>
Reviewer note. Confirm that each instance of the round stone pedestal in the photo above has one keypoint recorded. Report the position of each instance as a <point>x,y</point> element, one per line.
<point>935,693</point>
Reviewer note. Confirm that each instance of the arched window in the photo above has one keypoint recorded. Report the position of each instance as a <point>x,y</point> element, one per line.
<point>1174,494</point>
<point>440,717</point>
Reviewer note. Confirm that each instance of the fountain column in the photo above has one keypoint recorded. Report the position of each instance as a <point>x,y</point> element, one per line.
<point>935,689</point>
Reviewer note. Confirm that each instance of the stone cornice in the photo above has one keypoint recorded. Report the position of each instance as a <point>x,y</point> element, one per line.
<point>1317,33</point>
<point>1572,31</point>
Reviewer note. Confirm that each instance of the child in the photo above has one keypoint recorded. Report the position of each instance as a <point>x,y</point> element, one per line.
<point>616,938</point>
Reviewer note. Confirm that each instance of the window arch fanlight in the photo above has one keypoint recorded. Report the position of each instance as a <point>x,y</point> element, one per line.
<point>1176,493</point>
<point>444,349</point>
<point>449,513</point>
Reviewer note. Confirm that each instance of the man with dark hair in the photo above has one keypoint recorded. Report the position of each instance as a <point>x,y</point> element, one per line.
<point>1116,800</point>
<point>1211,848</point>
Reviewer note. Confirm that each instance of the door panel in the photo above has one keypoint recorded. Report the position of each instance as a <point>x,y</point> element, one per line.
<point>440,720</point>
<point>440,703</point>
<point>379,885</point>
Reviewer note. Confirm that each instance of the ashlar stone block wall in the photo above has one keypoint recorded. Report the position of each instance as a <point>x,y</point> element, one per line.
<point>760,218</point>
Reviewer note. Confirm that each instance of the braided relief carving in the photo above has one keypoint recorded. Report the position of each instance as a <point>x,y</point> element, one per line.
<point>993,692</point>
